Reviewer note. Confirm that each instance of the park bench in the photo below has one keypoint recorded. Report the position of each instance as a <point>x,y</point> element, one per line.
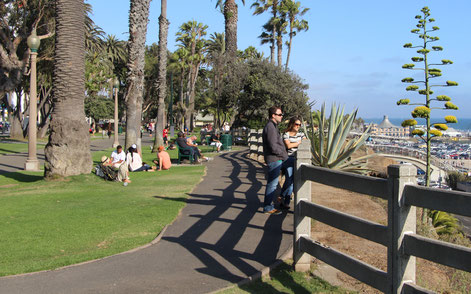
<point>209,141</point>
<point>181,155</point>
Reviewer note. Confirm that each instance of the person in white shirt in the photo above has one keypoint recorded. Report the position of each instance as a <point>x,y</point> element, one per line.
<point>134,160</point>
<point>118,157</point>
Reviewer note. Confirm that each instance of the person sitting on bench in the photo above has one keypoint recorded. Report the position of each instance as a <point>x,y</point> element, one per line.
<point>187,149</point>
<point>216,141</point>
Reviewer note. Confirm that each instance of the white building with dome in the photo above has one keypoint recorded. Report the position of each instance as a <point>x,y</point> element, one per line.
<point>386,128</point>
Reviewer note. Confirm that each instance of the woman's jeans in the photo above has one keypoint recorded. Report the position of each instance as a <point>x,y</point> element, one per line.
<point>144,167</point>
<point>274,169</point>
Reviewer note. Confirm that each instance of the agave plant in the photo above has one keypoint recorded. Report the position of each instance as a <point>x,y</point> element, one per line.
<point>329,145</point>
<point>444,223</point>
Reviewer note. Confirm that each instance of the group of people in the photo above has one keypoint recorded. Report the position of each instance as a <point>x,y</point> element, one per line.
<point>132,162</point>
<point>189,146</point>
<point>279,152</point>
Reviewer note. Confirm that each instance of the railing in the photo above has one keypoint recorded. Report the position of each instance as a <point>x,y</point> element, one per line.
<point>419,154</point>
<point>399,236</point>
<point>255,143</point>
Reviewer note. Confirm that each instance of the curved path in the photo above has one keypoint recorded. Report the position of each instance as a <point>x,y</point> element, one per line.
<point>220,238</point>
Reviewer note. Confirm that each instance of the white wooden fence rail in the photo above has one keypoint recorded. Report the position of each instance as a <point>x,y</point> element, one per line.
<point>399,236</point>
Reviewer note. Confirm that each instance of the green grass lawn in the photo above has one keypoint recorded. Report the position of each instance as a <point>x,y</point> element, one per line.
<point>49,224</point>
<point>11,147</point>
<point>284,280</point>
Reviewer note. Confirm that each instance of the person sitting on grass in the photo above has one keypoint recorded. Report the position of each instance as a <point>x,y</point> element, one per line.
<point>134,161</point>
<point>164,162</point>
<point>123,172</point>
<point>118,157</point>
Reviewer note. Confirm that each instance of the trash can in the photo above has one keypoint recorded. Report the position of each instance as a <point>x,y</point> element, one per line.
<point>226,140</point>
<point>120,129</point>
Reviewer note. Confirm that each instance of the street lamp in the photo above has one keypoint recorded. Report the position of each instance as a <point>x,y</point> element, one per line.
<point>116,88</point>
<point>32,162</point>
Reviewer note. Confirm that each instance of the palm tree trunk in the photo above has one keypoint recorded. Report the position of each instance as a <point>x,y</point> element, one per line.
<point>138,17</point>
<point>68,150</point>
<point>289,43</point>
<point>273,32</point>
<point>230,16</point>
<point>162,75</point>
<point>279,45</point>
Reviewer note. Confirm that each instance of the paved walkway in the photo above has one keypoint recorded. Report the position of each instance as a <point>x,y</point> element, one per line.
<point>220,238</point>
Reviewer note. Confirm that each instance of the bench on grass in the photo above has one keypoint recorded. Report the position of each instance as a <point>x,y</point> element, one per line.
<point>182,155</point>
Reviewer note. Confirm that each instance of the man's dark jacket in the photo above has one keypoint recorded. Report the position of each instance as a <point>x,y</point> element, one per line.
<point>273,147</point>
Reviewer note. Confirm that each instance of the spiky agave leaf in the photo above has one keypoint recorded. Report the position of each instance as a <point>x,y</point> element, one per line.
<point>333,150</point>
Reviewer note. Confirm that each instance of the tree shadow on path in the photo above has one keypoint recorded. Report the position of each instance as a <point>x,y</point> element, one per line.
<point>232,237</point>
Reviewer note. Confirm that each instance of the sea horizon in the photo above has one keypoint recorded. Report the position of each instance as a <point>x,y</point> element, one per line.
<point>464,124</point>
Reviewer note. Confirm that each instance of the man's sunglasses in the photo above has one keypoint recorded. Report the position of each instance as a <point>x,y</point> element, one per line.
<point>279,114</point>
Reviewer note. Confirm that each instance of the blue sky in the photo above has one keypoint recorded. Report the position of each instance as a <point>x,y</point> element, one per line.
<point>352,53</point>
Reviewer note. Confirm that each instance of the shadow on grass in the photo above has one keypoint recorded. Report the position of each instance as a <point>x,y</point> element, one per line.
<point>24,178</point>
<point>178,199</point>
<point>4,151</point>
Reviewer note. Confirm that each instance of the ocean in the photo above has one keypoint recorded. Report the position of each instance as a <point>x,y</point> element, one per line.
<point>464,124</point>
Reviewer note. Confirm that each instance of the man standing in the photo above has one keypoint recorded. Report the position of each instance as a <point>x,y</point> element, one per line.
<point>275,154</point>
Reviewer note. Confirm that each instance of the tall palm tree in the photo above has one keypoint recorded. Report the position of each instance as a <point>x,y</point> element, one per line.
<point>262,6</point>
<point>114,49</point>
<point>161,82</point>
<point>293,11</point>
<point>68,150</point>
<point>216,51</point>
<point>190,37</point>
<point>230,18</point>
<point>138,17</point>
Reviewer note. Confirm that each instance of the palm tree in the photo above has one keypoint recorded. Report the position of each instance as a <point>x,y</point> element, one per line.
<point>293,11</point>
<point>138,16</point>
<point>190,37</point>
<point>161,82</point>
<point>262,6</point>
<point>68,150</point>
<point>216,52</point>
<point>114,49</point>
<point>230,18</point>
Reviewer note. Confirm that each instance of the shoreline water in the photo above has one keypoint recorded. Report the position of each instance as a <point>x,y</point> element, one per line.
<point>464,124</point>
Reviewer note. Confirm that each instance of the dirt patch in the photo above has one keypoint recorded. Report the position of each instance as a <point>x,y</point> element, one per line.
<point>9,186</point>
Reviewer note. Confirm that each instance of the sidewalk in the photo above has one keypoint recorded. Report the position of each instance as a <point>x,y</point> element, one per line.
<point>220,238</point>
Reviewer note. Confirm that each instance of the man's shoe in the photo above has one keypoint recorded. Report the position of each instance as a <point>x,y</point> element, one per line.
<point>284,206</point>
<point>272,212</point>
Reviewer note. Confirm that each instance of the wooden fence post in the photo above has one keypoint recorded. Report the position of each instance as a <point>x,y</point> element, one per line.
<point>302,224</point>
<point>401,220</point>
<point>253,143</point>
<point>260,157</point>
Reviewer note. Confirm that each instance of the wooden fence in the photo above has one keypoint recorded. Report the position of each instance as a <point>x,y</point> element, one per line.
<point>399,236</point>
<point>255,143</point>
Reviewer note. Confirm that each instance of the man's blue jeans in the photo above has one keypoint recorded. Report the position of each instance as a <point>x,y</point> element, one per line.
<point>274,169</point>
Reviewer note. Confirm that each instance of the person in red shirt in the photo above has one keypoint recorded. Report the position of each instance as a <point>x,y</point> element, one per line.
<point>165,135</point>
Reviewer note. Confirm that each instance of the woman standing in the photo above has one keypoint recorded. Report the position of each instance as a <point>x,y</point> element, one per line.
<point>292,138</point>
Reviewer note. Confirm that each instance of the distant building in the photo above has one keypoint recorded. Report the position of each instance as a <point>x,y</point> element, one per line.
<point>201,120</point>
<point>386,128</point>
<point>451,132</point>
